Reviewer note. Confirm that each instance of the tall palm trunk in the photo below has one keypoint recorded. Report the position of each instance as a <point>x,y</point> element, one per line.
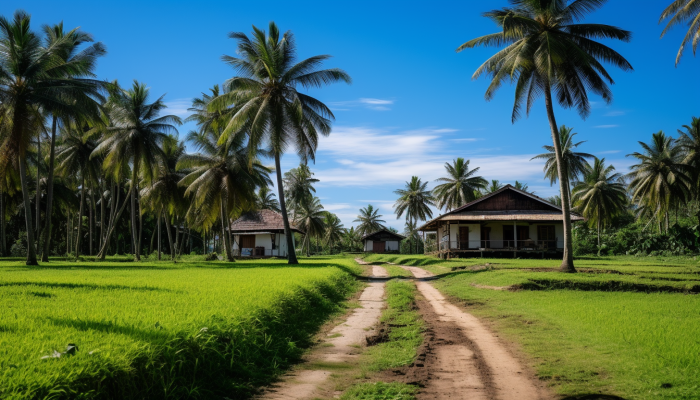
<point>38,187</point>
<point>113,222</point>
<point>170,237</point>
<point>2,224</point>
<point>91,221</point>
<point>567,264</point>
<point>224,222</point>
<point>291,252</point>
<point>49,194</point>
<point>80,219</point>
<point>138,243</point>
<point>31,249</point>
<point>69,233</point>
<point>159,239</point>
<point>102,213</point>
<point>134,228</point>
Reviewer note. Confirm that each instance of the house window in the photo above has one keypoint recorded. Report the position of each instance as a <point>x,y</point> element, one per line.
<point>247,241</point>
<point>546,236</point>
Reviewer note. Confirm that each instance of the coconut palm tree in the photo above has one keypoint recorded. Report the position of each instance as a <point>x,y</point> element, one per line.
<point>334,230</point>
<point>414,200</point>
<point>74,160</point>
<point>689,142</point>
<point>459,186</point>
<point>574,163</point>
<point>266,200</point>
<point>34,77</point>
<point>298,186</point>
<point>680,12</point>
<point>352,240</point>
<point>222,179</point>
<point>268,106</point>
<point>495,186</point>
<point>411,232</point>
<point>135,136</point>
<point>369,219</point>
<point>600,195</point>
<point>310,217</point>
<point>84,62</point>
<point>522,186</point>
<point>556,200</point>
<point>659,180</point>
<point>547,50</point>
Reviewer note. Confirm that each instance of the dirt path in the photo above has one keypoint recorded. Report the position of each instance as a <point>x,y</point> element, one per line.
<point>340,346</point>
<point>462,359</point>
<point>377,271</point>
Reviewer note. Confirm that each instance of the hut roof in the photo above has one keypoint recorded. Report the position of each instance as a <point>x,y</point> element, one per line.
<point>262,221</point>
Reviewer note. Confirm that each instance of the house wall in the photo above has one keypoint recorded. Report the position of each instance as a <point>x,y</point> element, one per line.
<point>369,245</point>
<point>390,245</point>
<point>474,235</point>
<point>497,233</point>
<point>264,240</point>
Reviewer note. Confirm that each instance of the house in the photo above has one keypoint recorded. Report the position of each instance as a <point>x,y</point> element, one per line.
<point>508,221</point>
<point>260,234</point>
<point>382,241</point>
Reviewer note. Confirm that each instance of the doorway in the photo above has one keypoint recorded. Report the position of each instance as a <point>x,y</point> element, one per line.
<point>378,247</point>
<point>485,237</point>
<point>463,237</point>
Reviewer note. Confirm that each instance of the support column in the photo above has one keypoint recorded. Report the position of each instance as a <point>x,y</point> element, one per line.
<point>515,239</point>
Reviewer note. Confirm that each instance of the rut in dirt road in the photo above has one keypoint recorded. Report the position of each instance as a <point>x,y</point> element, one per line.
<point>340,346</point>
<point>465,360</point>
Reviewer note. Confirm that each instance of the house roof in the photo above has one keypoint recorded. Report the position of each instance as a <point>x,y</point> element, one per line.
<point>262,221</point>
<point>549,211</point>
<point>385,231</point>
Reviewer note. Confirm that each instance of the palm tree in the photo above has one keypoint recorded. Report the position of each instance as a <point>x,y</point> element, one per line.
<point>298,186</point>
<point>222,178</point>
<point>352,240</point>
<point>601,195</point>
<point>266,200</point>
<point>369,220</point>
<point>574,163</point>
<point>679,12</point>
<point>74,160</point>
<point>162,194</point>
<point>548,50</point>
<point>411,233</point>
<point>310,217</point>
<point>689,142</point>
<point>334,230</point>
<point>523,186</point>
<point>84,63</point>
<point>556,200</point>
<point>495,186</point>
<point>414,200</point>
<point>268,106</point>
<point>659,179</point>
<point>136,135</point>
<point>460,185</point>
<point>33,77</point>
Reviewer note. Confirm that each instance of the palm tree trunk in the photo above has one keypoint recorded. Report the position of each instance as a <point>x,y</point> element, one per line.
<point>291,252</point>
<point>49,194</point>
<point>31,249</point>
<point>69,233</point>
<point>567,264</point>
<point>80,219</point>
<point>3,245</point>
<point>170,237</point>
<point>224,222</point>
<point>134,228</point>
<point>138,243</point>
<point>103,251</point>
<point>159,239</point>
<point>91,221</point>
<point>102,214</point>
<point>38,187</point>
<point>177,239</point>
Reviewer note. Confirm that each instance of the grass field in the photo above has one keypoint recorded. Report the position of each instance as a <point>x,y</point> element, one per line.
<point>159,330</point>
<point>627,326</point>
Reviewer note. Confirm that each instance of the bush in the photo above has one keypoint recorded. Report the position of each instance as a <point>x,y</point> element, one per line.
<point>18,249</point>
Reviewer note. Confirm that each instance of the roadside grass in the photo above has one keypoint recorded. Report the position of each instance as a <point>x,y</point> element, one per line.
<point>405,334</point>
<point>160,330</point>
<point>624,334</point>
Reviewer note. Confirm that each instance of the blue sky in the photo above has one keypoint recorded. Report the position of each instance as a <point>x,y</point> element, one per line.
<point>412,105</point>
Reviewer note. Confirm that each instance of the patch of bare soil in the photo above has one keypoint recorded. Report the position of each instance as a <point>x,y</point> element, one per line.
<point>462,359</point>
<point>492,287</point>
<point>342,344</point>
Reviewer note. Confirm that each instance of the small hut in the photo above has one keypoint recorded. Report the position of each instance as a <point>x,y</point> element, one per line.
<point>382,241</point>
<point>260,234</point>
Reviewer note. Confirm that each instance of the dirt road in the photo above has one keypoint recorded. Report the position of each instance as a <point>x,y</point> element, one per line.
<point>463,359</point>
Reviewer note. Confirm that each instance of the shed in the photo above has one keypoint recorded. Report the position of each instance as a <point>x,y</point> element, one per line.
<point>382,241</point>
<point>260,234</point>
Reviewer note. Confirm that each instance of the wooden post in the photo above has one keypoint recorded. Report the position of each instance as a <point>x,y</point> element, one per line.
<point>449,240</point>
<point>515,239</point>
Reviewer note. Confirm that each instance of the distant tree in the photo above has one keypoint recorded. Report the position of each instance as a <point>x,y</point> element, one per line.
<point>299,187</point>
<point>547,50</point>
<point>495,186</point>
<point>679,12</point>
<point>573,163</point>
<point>369,219</point>
<point>415,201</point>
<point>267,106</point>
<point>334,230</point>
<point>459,187</point>
<point>266,200</point>
<point>310,218</point>
<point>689,142</point>
<point>556,200</point>
<point>411,232</point>
<point>523,186</point>
<point>659,179</point>
<point>351,240</point>
<point>600,195</point>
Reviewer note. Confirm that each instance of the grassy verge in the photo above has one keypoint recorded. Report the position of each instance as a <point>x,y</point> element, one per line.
<point>617,329</point>
<point>159,330</point>
<point>404,326</point>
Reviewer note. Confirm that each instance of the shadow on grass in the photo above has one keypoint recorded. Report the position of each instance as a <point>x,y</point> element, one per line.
<point>154,335</point>
<point>56,285</point>
<point>594,396</point>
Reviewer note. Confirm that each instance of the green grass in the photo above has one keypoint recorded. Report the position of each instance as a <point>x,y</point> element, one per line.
<point>160,330</point>
<point>405,329</point>
<point>380,391</point>
<point>622,334</point>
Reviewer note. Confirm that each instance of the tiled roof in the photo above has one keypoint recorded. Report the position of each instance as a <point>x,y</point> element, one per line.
<point>261,221</point>
<point>396,235</point>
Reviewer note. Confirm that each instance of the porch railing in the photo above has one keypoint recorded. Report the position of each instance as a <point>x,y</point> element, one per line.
<point>256,252</point>
<point>493,245</point>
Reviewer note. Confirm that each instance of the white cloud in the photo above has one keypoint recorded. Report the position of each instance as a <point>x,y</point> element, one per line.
<point>606,126</point>
<point>608,152</point>
<point>376,101</point>
<point>337,206</point>
<point>366,102</point>
<point>178,107</point>
<point>614,113</point>
<point>361,143</point>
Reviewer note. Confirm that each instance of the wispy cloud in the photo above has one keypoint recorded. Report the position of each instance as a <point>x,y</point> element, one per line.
<point>609,152</point>
<point>364,102</point>
<point>353,143</point>
<point>616,113</point>
<point>178,107</point>
<point>467,139</point>
<point>606,126</point>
